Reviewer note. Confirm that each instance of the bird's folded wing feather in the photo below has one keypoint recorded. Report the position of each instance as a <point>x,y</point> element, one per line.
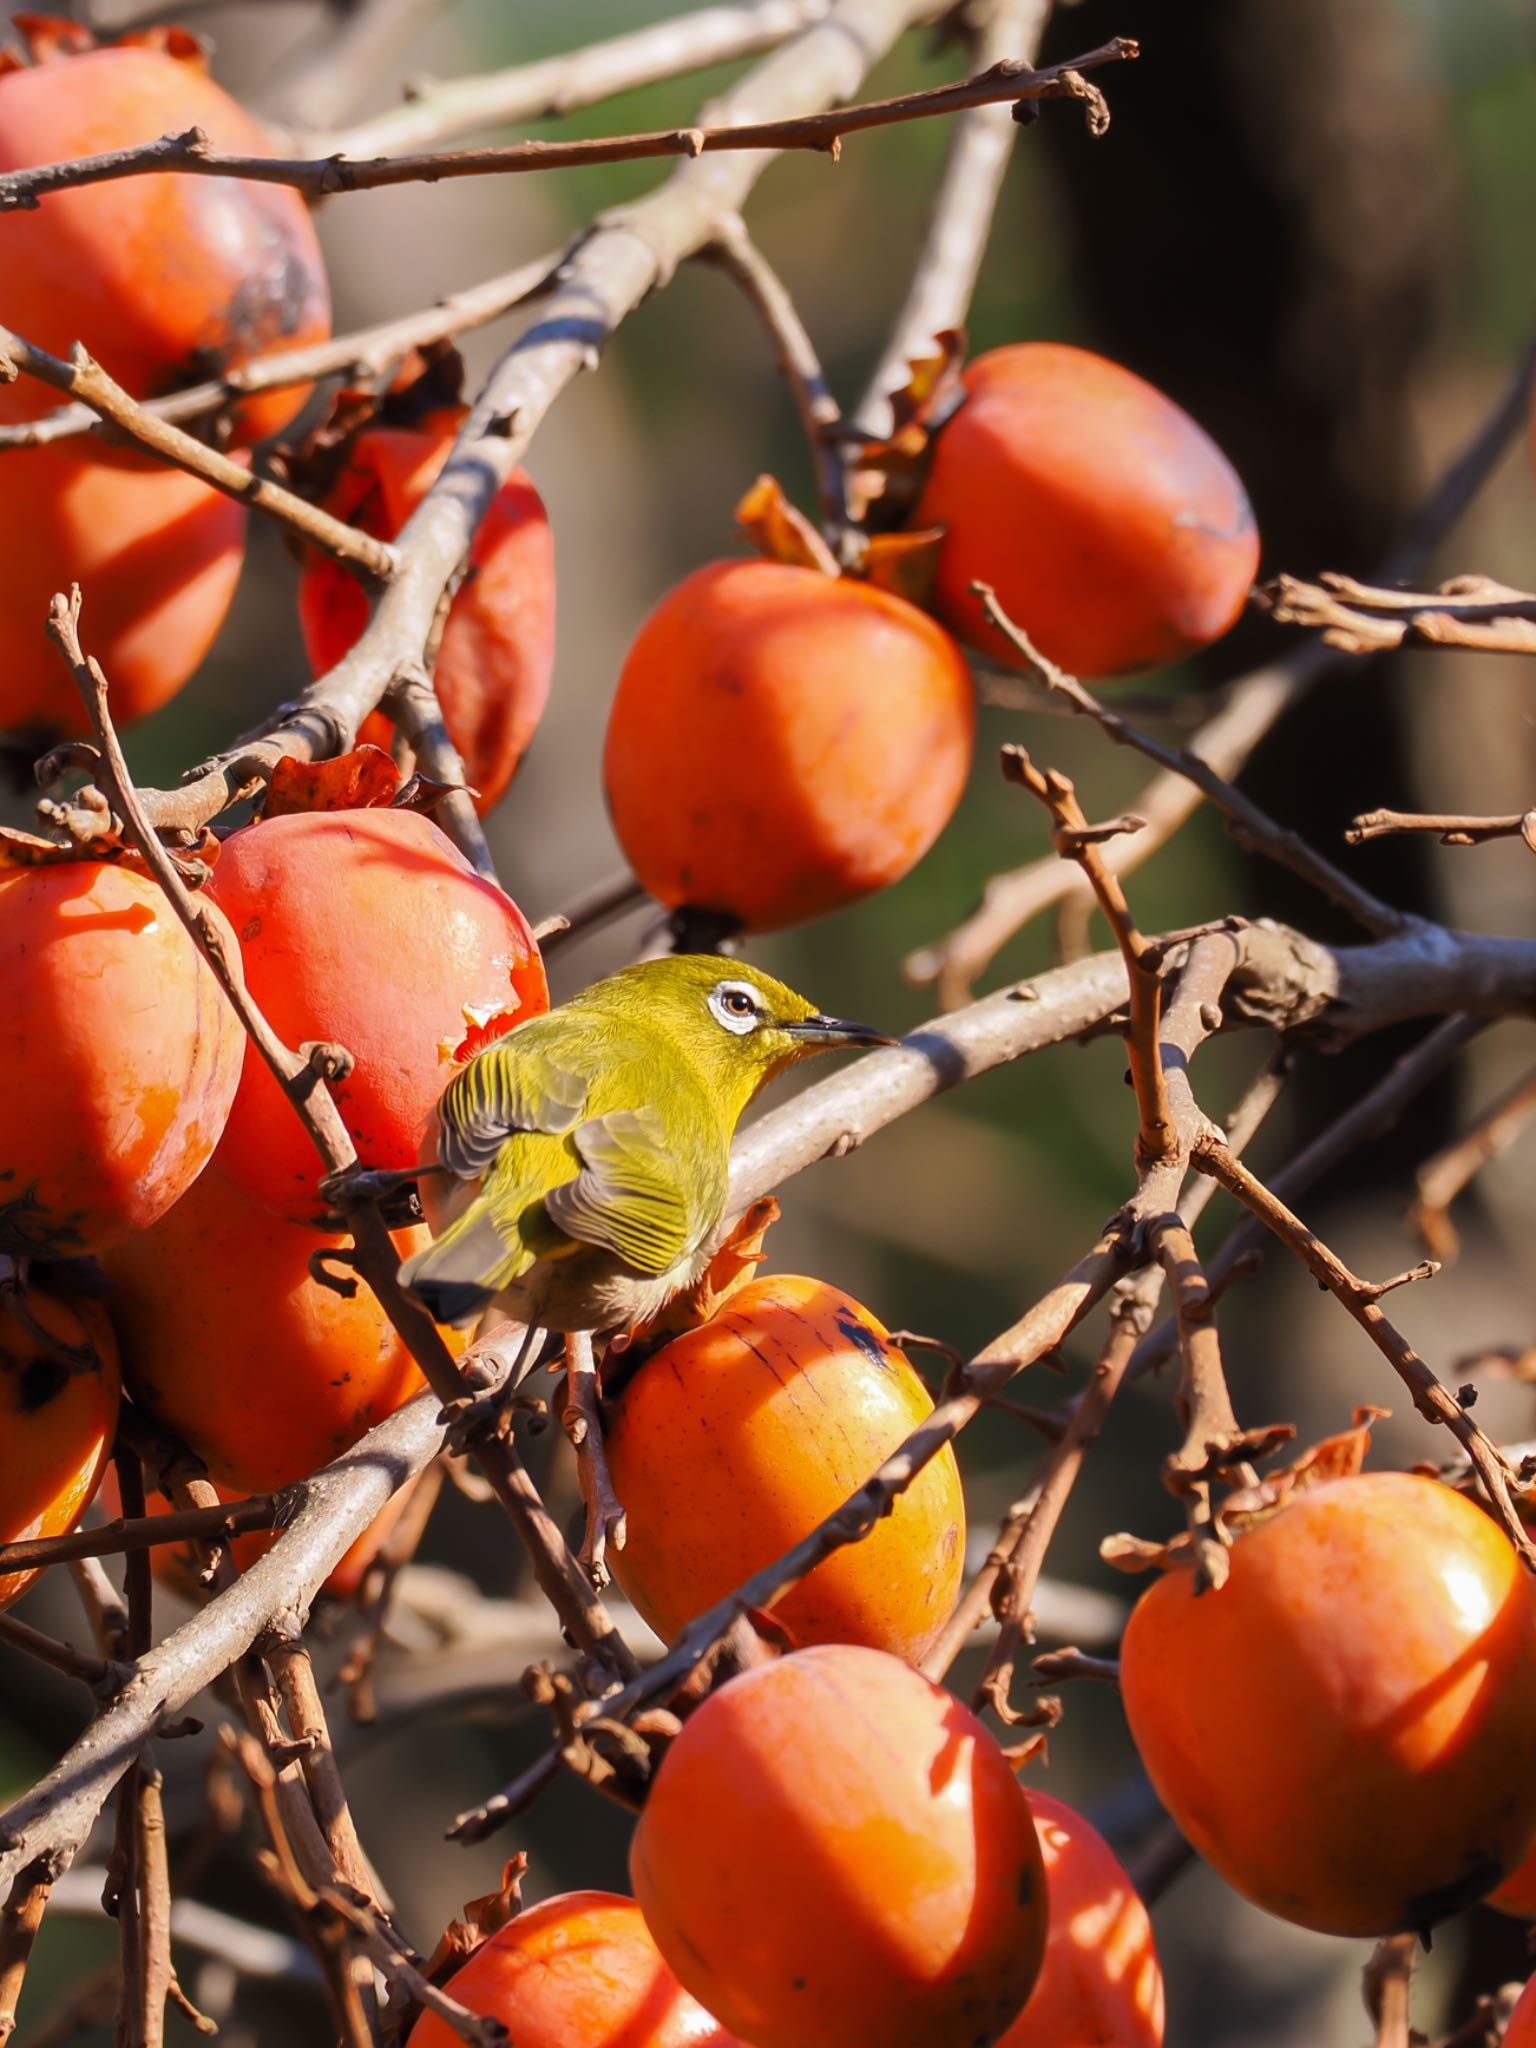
<point>629,1195</point>
<point>502,1092</point>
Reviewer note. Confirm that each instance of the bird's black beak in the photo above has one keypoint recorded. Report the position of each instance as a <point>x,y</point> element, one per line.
<point>836,1031</point>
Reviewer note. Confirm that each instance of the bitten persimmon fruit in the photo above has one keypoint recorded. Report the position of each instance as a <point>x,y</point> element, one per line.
<point>734,1440</point>
<point>783,742</point>
<point>1346,1730</point>
<point>578,1971</point>
<point>368,929</point>
<point>121,1057</point>
<point>498,646</point>
<point>1111,526</point>
<point>168,281</point>
<point>264,1372</point>
<point>58,1412</point>
<point>835,1852</point>
<point>1101,1985</point>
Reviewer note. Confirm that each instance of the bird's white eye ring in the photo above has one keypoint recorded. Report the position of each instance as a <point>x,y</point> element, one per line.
<point>734,1004</point>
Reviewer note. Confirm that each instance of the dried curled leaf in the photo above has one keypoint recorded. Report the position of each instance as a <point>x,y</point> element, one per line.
<point>887,479</point>
<point>906,564</point>
<point>780,532</point>
<point>358,781</point>
<point>480,1919</point>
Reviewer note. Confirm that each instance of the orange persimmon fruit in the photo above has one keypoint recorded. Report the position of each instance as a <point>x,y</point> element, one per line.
<point>58,1413</point>
<point>368,929</point>
<point>1346,1730</point>
<point>1101,1985</point>
<point>227,1337</point>
<point>121,1057</point>
<point>1111,526</point>
<point>783,742</point>
<point>1521,2031</point>
<point>498,645</point>
<point>167,280</point>
<point>577,1971</point>
<point>835,1852</point>
<point>735,1439</point>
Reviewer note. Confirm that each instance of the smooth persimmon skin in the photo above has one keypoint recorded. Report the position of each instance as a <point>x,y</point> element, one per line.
<point>1111,526</point>
<point>56,1425</point>
<point>1346,1731</point>
<point>371,930</point>
<point>836,1853</point>
<point>1101,1985</point>
<point>736,1439</point>
<point>121,1057</point>
<point>498,647</point>
<point>578,1971</point>
<point>157,553</point>
<point>782,742</point>
<point>168,281</point>
<point>266,1374</point>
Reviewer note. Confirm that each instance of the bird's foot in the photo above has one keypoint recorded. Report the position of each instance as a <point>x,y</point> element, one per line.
<point>506,1354</point>
<point>583,1420</point>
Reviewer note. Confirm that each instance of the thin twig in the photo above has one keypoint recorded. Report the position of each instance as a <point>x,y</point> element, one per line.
<point>1441,1179</point>
<point>112,1539</point>
<point>324,177</point>
<point>1364,618</point>
<point>288,1660</point>
<point>440,108</point>
<point>1362,1298</point>
<point>1387,1982</point>
<point>99,1673</point>
<point>583,1423</point>
<point>1075,839</point>
<point>594,907</point>
<point>1451,828</point>
<point>1253,825</point>
<point>20,1918</point>
<point>82,377</point>
<point>412,702</point>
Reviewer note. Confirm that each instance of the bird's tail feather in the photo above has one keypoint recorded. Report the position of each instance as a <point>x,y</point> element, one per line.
<point>462,1271</point>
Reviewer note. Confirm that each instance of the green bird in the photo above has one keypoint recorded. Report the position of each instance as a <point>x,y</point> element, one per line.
<point>587,1153</point>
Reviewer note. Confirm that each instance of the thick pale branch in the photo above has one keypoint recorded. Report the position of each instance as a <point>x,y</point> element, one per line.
<point>323,177</point>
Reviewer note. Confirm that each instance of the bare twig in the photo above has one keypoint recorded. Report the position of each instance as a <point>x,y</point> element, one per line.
<point>99,1673</point>
<point>1363,618</point>
<point>20,1918</point>
<point>83,377</point>
<point>583,1422</point>
<point>1387,1981</point>
<point>112,1539</point>
<point>1254,826</point>
<point>412,702</point>
<point>440,108</point>
<point>323,177</point>
<point>1451,828</point>
<point>288,1661</point>
<point>955,237</point>
<point>366,352</point>
<point>1434,1401</point>
<point>734,250</point>
<point>1075,839</point>
<point>1441,1179</point>
<point>607,899</point>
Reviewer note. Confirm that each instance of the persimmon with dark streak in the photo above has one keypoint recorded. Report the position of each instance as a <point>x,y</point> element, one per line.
<point>835,1852</point>
<point>264,1372</point>
<point>370,930</point>
<point>498,646</point>
<point>783,742</point>
<point>1346,1730</point>
<point>734,1440</point>
<point>167,280</point>
<point>121,1056</point>
<point>1111,526</point>
<point>58,1415</point>
<point>1101,1985</point>
<point>577,1971</point>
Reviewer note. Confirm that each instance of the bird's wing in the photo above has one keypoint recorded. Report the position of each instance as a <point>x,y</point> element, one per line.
<point>514,1085</point>
<point>629,1195</point>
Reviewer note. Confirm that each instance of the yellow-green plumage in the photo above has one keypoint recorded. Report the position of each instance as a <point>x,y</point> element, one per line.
<point>588,1150</point>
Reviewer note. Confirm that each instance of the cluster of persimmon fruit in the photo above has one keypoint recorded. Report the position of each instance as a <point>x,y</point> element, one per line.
<point>834,1851</point>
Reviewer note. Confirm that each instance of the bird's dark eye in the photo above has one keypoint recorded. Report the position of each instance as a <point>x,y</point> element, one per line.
<point>739,1003</point>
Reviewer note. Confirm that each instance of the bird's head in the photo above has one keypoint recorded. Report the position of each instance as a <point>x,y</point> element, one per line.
<point>738,1025</point>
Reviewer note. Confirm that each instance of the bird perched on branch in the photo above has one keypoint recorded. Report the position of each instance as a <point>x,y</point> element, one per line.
<point>587,1153</point>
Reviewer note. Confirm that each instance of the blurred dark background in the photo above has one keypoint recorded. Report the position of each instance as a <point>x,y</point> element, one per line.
<point>1309,223</point>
